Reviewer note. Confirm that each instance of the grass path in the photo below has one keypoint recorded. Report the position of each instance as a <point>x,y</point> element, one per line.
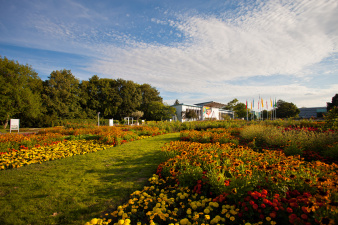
<point>75,189</point>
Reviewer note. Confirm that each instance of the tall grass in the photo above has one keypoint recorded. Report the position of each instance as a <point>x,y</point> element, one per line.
<point>290,140</point>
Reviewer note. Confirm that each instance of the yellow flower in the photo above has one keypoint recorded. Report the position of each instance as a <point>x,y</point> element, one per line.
<point>232,218</point>
<point>233,212</point>
<point>207,217</point>
<point>184,221</point>
<point>121,222</point>
<point>206,211</point>
<point>273,222</point>
<point>268,218</point>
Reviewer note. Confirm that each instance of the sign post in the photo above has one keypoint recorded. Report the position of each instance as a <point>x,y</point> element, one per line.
<point>15,124</point>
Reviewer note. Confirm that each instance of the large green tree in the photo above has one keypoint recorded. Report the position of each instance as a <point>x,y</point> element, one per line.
<point>100,95</point>
<point>286,109</point>
<point>19,93</point>
<point>62,95</point>
<point>149,95</point>
<point>131,97</point>
<point>333,103</point>
<point>238,107</point>
<point>160,111</point>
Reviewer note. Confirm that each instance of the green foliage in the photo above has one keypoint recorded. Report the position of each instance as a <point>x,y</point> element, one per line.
<point>291,140</point>
<point>191,114</point>
<point>333,103</point>
<point>331,119</point>
<point>240,110</point>
<point>286,109</point>
<point>238,107</point>
<point>20,93</point>
<point>137,115</point>
<point>62,95</point>
<point>78,188</point>
<point>160,111</point>
<point>149,95</point>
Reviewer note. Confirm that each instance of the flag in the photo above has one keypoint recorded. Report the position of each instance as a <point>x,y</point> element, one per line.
<point>250,105</point>
<point>267,104</point>
<point>262,103</point>
<point>246,104</point>
<point>271,102</point>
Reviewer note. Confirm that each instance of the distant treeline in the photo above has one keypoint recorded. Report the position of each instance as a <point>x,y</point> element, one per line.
<point>37,103</point>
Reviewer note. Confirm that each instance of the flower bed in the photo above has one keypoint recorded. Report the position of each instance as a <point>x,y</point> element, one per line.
<point>54,143</point>
<point>213,183</point>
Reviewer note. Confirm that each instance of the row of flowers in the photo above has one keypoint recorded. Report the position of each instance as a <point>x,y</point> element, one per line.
<point>213,183</point>
<point>54,143</point>
<point>57,150</point>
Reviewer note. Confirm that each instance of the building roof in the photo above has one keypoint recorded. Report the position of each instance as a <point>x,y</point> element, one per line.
<point>212,104</point>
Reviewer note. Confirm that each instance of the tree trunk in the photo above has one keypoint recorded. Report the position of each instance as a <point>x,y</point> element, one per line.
<point>6,123</point>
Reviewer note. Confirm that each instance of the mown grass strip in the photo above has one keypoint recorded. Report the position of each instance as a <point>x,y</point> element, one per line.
<point>75,189</point>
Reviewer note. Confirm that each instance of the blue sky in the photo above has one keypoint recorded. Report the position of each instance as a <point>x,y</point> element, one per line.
<point>190,50</point>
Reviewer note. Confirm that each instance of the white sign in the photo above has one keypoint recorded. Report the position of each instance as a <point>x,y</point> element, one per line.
<point>14,125</point>
<point>111,122</point>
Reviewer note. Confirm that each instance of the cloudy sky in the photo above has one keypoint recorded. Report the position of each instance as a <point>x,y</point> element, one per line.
<point>190,50</point>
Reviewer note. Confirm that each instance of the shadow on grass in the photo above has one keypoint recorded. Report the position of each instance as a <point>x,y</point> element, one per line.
<point>79,188</point>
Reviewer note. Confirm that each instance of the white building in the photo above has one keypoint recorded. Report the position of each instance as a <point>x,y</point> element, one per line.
<point>204,111</point>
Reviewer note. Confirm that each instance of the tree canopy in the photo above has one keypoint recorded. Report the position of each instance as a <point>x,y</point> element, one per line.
<point>20,93</point>
<point>333,103</point>
<point>286,109</point>
<point>25,96</point>
<point>238,107</point>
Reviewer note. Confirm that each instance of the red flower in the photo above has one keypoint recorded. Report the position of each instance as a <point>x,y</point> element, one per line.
<point>264,192</point>
<point>263,206</point>
<point>289,210</point>
<point>273,214</point>
<point>304,216</point>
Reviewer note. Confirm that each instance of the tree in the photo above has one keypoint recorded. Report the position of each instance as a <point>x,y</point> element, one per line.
<point>137,115</point>
<point>149,94</point>
<point>238,107</point>
<point>20,93</point>
<point>240,110</point>
<point>191,114</point>
<point>62,95</point>
<point>286,109</point>
<point>334,102</point>
<point>331,118</point>
<point>231,104</point>
<point>100,95</point>
<point>176,102</point>
<point>160,111</point>
<point>130,95</point>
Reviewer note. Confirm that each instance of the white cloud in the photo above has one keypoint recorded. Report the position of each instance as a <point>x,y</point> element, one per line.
<point>273,38</point>
<point>265,38</point>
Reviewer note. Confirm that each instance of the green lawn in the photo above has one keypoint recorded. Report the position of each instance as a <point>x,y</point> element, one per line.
<point>75,189</point>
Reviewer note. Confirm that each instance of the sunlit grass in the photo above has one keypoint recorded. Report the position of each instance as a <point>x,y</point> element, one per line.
<point>75,189</point>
